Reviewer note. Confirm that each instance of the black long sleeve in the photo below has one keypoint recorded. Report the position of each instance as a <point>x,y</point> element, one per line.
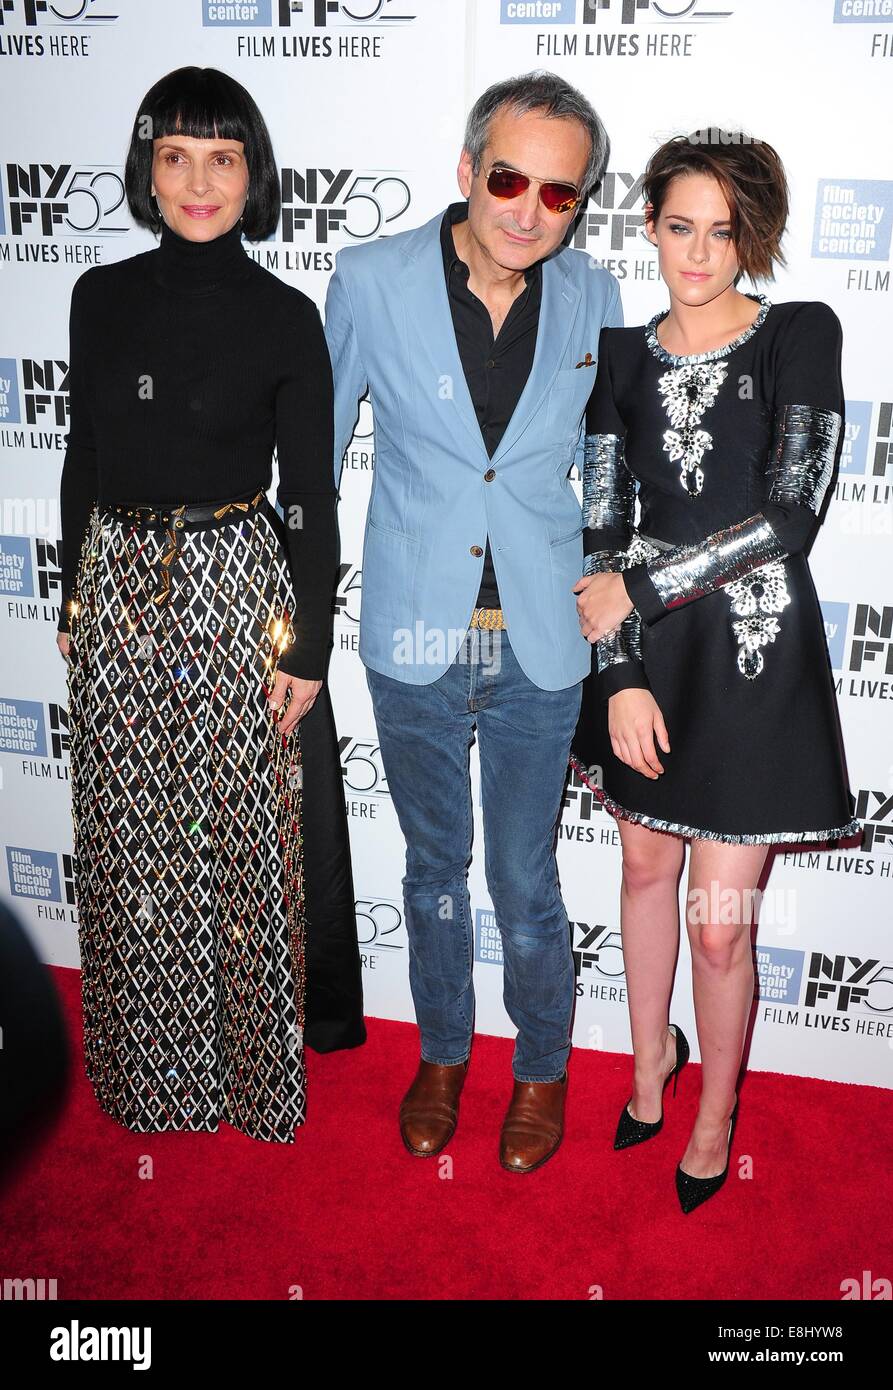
<point>609,504</point>
<point>305,433</point>
<point>79,485</point>
<point>188,365</point>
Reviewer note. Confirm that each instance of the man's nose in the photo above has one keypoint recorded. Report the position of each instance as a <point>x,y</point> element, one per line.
<point>527,208</point>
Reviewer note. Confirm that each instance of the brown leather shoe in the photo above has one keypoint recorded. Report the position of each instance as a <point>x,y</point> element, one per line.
<point>534,1124</point>
<point>430,1109</point>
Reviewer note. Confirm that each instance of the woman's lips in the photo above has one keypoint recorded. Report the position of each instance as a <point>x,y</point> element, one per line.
<point>200,210</point>
<point>694,275</point>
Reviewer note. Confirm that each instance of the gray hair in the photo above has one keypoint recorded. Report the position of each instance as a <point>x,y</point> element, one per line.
<point>539,91</point>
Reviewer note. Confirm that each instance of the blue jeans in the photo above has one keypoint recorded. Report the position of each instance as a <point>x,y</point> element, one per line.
<point>524,734</point>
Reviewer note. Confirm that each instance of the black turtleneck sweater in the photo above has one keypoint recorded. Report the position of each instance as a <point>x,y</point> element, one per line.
<point>187,364</point>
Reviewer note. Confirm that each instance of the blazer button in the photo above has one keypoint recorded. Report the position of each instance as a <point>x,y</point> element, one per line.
<point>489,475</point>
<point>476,550</point>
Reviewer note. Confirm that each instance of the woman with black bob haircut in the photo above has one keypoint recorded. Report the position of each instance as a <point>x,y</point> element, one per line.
<point>710,714</point>
<point>212,868</point>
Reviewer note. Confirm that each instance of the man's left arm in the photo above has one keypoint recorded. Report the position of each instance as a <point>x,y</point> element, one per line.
<point>612,317</point>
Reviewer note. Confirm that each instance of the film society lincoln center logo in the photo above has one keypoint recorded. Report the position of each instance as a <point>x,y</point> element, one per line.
<point>43,876</point>
<point>852,223</point>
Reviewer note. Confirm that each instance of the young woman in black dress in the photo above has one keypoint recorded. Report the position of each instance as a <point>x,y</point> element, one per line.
<point>212,867</point>
<point>710,714</point>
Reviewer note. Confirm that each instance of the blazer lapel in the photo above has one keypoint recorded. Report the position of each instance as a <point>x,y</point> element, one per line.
<point>558,310</point>
<point>430,325</point>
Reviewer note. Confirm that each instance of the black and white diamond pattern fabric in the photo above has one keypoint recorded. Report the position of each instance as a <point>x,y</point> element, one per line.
<point>186,801</point>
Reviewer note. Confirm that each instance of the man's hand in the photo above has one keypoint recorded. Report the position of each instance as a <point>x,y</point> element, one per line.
<point>303,696</point>
<point>602,605</point>
<point>633,720</point>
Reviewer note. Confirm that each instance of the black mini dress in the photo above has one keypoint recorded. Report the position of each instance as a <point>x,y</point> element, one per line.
<point>730,453</point>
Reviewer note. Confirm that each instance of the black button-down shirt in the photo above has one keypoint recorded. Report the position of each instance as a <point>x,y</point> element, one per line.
<point>496,370</point>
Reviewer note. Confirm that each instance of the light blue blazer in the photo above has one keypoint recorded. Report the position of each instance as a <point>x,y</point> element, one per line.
<point>389,330</point>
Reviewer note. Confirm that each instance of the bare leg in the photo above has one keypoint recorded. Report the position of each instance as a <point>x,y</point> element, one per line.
<point>722,876</point>
<point>649,925</point>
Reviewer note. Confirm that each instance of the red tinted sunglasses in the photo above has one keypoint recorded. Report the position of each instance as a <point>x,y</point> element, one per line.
<point>509,183</point>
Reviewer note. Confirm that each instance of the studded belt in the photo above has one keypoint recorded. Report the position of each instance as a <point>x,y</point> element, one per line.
<point>173,520</point>
<point>487,617</point>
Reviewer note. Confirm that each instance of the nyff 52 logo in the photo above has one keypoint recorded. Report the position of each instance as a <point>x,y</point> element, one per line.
<point>617,221</point>
<point>362,768</point>
<point>326,202</point>
<point>59,12</point>
<point>64,199</point>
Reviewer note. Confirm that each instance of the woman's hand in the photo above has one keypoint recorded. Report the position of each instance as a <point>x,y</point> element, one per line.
<point>602,605</point>
<point>303,696</point>
<point>633,720</point>
<point>63,642</point>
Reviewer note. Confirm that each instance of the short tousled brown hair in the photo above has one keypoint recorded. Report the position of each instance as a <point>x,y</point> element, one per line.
<point>753,182</point>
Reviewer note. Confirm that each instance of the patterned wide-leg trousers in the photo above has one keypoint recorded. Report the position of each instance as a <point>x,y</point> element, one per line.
<point>186,801</point>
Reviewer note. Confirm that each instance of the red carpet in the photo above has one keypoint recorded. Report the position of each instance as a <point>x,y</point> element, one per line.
<point>346,1213</point>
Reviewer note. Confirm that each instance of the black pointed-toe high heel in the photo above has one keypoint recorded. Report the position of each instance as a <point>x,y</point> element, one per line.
<point>693,1191</point>
<point>632,1131</point>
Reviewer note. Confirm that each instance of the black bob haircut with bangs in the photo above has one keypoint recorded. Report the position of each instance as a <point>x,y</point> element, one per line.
<point>204,104</point>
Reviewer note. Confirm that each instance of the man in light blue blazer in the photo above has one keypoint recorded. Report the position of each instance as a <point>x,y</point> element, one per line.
<point>476,336</point>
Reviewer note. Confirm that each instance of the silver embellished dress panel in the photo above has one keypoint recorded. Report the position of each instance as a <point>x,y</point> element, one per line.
<point>687,393</point>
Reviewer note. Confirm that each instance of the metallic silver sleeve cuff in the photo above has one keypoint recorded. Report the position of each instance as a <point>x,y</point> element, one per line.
<point>622,645</point>
<point>625,642</point>
<point>609,489</point>
<point>804,446</point>
<point>603,561</point>
<point>689,572</point>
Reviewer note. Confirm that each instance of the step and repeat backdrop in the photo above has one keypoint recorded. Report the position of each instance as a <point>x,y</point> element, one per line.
<point>366,101</point>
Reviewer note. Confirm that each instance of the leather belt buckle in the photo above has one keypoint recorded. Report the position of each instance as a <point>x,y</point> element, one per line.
<point>178,517</point>
<point>489,618</point>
